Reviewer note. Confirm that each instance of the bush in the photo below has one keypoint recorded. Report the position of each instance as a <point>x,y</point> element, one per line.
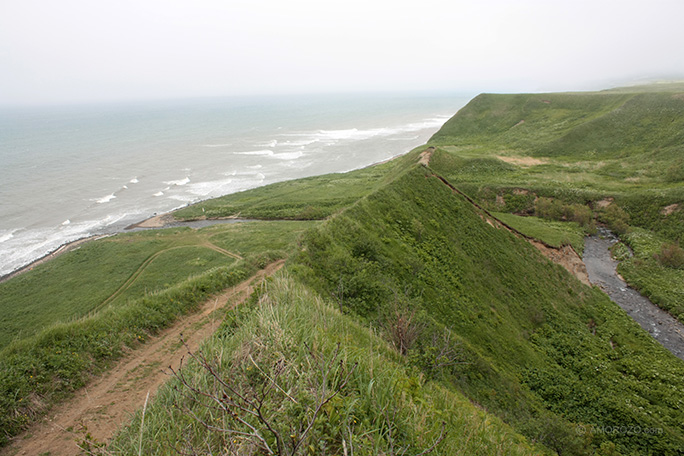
<point>671,255</point>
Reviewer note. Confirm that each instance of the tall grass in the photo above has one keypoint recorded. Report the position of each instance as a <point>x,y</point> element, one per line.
<point>385,408</point>
<point>38,371</point>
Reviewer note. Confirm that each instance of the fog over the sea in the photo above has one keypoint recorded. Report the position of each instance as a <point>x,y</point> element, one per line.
<point>81,50</point>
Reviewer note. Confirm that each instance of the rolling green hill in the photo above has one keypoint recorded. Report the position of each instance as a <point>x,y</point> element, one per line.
<point>406,321</point>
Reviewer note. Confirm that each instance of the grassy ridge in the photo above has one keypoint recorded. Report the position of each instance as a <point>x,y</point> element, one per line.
<point>386,407</point>
<point>311,198</point>
<point>531,337</point>
<point>619,154</point>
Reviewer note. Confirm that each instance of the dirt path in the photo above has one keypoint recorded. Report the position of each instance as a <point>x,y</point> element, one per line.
<point>108,401</point>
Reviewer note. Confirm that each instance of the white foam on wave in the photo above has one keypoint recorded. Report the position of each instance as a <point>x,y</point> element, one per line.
<point>23,246</point>
<point>104,199</point>
<point>254,166</point>
<point>133,181</point>
<point>216,145</point>
<point>271,154</point>
<point>159,194</point>
<point>264,153</point>
<point>330,137</point>
<point>289,155</point>
<point>6,235</point>
<point>178,182</point>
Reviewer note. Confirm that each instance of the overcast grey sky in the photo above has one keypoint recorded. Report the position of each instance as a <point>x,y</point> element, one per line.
<point>83,50</point>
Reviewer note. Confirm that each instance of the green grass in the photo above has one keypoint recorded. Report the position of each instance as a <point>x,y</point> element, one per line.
<point>531,337</point>
<point>37,371</point>
<point>555,234</point>
<point>111,271</point>
<point>311,198</point>
<point>385,405</point>
<point>55,336</point>
<point>663,285</point>
<point>448,318</point>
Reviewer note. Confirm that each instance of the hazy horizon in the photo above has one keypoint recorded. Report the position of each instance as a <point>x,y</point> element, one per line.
<point>75,51</point>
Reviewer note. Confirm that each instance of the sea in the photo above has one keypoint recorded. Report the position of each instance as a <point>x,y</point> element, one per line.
<point>69,172</point>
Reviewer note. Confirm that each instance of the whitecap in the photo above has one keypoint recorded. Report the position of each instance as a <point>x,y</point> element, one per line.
<point>6,235</point>
<point>288,155</point>
<point>178,182</point>
<point>66,222</point>
<point>125,187</point>
<point>159,194</point>
<point>265,152</point>
<point>271,143</point>
<point>216,145</point>
<point>105,199</point>
<point>254,167</point>
<point>134,181</point>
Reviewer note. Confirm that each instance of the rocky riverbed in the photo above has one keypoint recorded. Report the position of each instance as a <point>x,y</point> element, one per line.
<point>601,268</point>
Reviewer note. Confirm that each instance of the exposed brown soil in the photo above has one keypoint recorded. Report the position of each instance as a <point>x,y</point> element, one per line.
<point>109,400</point>
<point>667,210</point>
<point>604,203</point>
<point>566,257</point>
<point>425,156</point>
<point>521,161</point>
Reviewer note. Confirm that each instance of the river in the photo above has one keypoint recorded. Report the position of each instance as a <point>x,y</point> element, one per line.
<point>601,268</point>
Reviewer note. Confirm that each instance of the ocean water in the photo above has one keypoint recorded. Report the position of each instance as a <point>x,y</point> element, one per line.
<point>71,172</point>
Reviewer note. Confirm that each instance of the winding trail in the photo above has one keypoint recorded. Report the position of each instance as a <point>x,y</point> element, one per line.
<point>136,275</point>
<point>109,400</point>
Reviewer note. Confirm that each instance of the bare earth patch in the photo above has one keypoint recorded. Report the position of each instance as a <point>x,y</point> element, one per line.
<point>667,210</point>
<point>522,161</point>
<point>604,203</point>
<point>425,156</point>
<point>109,401</point>
<point>566,257</point>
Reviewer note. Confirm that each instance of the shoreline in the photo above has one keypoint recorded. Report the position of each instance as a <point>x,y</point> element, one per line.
<point>66,247</point>
<point>160,221</point>
<point>157,221</point>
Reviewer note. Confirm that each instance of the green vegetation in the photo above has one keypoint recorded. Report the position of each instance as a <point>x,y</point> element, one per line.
<point>75,331</point>
<point>404,322</point>
<point>531,338</point>
<point>555,234</point>
<point>291,335</point>
<point>655,270</point>
<point>114,270</point>
<point>311,198</point>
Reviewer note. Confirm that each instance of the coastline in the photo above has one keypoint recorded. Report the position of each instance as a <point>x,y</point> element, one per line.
<point>66,247</point>
<point>158,221</point>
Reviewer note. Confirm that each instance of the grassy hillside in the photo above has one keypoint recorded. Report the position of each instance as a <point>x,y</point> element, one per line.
<point>381,404</point>
<point>56,336</point>
<point>613,157</point>
<point>404,323</point>
<point>416,261</point>
<point>311,198</point>
<point>114,270</point>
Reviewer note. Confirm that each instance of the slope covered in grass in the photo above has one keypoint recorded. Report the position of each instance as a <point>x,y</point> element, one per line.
<point>291,335</point>
<point>535,346</point>
<point>310,198</point>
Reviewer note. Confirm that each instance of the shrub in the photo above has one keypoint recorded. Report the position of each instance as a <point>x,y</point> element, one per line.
<point>671,255</point>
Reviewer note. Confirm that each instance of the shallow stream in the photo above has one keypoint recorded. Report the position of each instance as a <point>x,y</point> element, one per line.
<point>601,268</point>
